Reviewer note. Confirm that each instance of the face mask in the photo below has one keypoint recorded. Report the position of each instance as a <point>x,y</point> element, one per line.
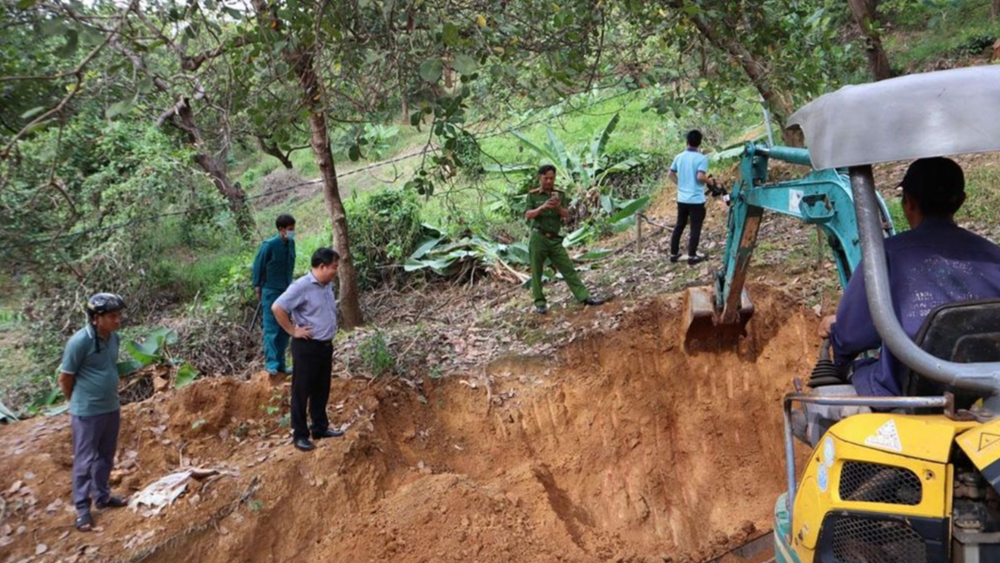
<point>290,235</point>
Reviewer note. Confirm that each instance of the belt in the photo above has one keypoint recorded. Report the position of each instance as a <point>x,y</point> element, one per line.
<point>314,341</point>
<point>548,235</point>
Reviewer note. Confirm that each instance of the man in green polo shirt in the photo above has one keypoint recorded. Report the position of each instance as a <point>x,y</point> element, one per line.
<point>272,274</point>
<point>546,212</point>
<point>89,378</point>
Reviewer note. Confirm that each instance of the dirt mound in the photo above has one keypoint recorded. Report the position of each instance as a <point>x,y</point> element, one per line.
<point>620,449</point>
<point>283,186</point>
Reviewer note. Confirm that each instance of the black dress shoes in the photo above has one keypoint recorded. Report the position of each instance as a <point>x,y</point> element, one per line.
<point>303,444</point>
<point>328,433</point>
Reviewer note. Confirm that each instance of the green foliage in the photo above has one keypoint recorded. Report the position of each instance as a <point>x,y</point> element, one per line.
<point>232,290</point>
<point>618,216</point>
<point>644,179</point>
<point>274,403</point>
<point>370,141</point>
<point>976,44</point>
<point>896,214</point>
<point>186,374</point>
<point>188,279</point>
<point>153,350</point>
<point>385,228</point>
<point>446,258</point>
<point>582,168</point>
<point>376,358</point>
<point>10,318</point>
<point>379,139</point>
<point>116,180</point>
<point>982,189</point>
<point>37,47</point>
<point>263,166</point>
<point>938,30</point>
<point>583,171</point>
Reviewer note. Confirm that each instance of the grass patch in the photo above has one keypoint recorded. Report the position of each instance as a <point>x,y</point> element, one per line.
<point>982,191</point>
<point>895,206</point>
<point>932,32</point>
<point>204,274</point>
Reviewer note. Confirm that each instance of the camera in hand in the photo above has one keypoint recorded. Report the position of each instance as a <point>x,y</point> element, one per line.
<point>715,189</point>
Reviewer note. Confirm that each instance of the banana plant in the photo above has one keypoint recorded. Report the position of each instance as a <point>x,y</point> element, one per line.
<point>154,349</point>
<point>619,216</point>
<point>584,168</point>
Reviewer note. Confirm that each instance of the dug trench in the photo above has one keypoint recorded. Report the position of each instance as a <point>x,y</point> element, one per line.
<point>621,448</point>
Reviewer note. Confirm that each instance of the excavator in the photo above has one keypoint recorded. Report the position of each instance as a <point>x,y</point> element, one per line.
<point>916,478</point>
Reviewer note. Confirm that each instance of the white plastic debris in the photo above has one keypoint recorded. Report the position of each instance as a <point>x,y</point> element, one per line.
<point>164,491</point>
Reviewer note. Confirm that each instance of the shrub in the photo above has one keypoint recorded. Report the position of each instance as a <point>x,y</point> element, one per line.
<point>975,44</point>
<point>376,358</point>
<point>385,229</point>
<point>640,180</point>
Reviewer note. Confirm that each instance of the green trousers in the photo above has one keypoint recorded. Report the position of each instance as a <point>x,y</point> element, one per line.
<point>275,337</point>
<point>540,249</point>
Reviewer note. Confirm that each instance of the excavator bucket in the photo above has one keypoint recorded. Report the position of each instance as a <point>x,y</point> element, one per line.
<point>705,327</point>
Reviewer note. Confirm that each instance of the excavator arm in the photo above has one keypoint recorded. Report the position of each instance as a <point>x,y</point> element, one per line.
<point>821,197</point>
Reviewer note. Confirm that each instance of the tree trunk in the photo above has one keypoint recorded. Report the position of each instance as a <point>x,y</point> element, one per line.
<point>301,59</point>
<point>778,103</point>
<point>350,302</point>
<point>995,9</point>
<point>865,15</point>
<point>235,195</point>
<point>274,151</point>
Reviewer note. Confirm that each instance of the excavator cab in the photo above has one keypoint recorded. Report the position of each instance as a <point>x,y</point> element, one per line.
<point>918,479</point>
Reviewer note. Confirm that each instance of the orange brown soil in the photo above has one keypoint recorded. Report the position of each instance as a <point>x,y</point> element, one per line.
<point>622,448</point>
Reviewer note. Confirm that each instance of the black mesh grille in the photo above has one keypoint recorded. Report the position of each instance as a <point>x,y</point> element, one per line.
<point>867,540</point>
<point>874,482</point>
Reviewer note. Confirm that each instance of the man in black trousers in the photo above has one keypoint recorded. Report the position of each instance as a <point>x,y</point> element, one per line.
<point>307,310</point>
<point>690,171</point>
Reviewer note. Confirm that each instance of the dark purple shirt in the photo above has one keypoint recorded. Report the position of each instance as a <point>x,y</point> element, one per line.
<point>936,263</point>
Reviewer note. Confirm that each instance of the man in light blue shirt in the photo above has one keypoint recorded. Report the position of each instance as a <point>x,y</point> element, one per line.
<point>690,172</point>
<point>89,379</point>
<point>307,310</point>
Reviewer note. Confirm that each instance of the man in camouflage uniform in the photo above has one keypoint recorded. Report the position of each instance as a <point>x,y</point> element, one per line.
<point>546,212</point>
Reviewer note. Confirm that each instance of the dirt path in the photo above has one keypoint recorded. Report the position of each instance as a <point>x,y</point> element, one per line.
<point>620,449</point>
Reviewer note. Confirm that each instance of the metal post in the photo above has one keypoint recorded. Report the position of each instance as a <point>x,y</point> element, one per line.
<point>767,123</point>
<point>638,231</point>
<point>789,463</point>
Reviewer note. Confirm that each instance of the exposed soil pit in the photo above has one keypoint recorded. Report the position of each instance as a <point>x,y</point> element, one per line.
<point>623,449</point>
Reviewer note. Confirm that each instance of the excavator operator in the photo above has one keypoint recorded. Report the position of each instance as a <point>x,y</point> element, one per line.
<point>936,262</point>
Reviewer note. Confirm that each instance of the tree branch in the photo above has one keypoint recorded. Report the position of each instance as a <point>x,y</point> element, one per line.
<point>77,87</point>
